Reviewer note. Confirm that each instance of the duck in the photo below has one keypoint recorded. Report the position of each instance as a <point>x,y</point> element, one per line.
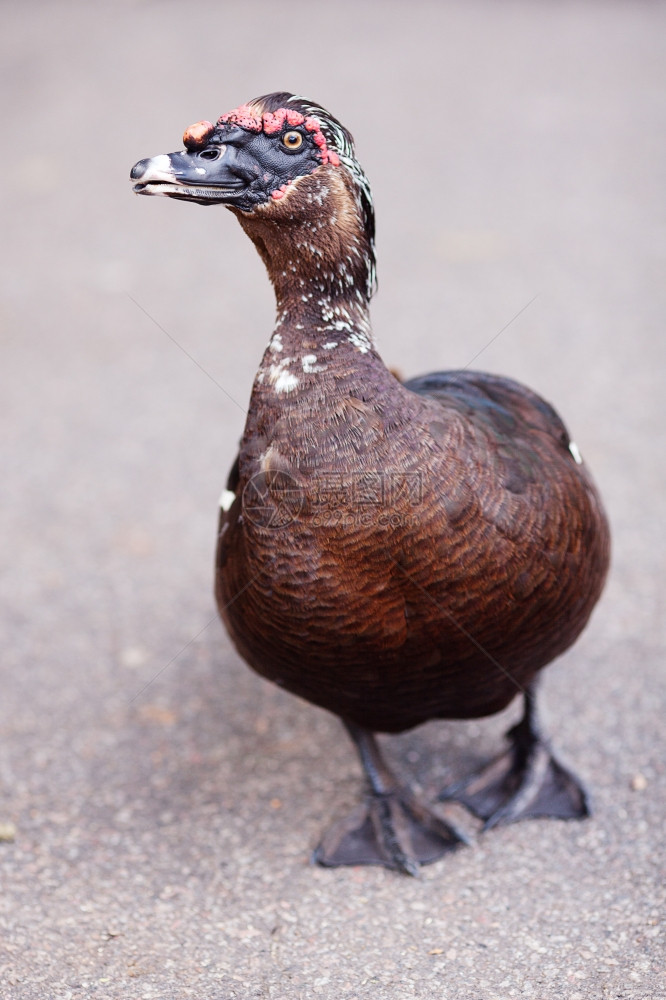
<point>391,551</point>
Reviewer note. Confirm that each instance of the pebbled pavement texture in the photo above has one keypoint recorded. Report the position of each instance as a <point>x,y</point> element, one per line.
<point>158,802</point>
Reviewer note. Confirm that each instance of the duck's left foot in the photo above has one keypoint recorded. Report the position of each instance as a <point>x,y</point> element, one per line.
<point>525,782</point>
<point>391,828</point>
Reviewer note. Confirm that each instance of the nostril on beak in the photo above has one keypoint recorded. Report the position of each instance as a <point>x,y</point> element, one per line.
<point>138,170</point>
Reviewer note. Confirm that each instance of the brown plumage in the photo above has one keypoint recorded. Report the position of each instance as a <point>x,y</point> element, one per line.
<point>394,552</point>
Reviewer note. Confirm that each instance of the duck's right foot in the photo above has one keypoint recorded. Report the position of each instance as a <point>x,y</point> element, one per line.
<point>391,827</point>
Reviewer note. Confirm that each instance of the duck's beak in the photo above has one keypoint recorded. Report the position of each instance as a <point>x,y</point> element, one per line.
<point>206,177</point>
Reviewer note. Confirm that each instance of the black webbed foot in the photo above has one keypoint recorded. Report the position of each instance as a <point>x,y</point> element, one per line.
<point>521,786</point>
<point>390,828</point>
<point>526,781</point>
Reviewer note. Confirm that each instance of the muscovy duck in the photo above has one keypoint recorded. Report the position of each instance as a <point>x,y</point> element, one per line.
<point>391,552</point>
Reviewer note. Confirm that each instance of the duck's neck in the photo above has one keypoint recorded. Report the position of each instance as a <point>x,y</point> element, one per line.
<point>319,261</point>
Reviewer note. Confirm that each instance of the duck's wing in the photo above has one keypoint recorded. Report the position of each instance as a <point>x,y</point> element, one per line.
<point>507,407</point>
<point>234,475</point>
<point>524,531</point>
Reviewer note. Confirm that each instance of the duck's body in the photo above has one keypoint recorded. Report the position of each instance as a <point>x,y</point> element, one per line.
<point>393,553</point>
<point>417,560</point>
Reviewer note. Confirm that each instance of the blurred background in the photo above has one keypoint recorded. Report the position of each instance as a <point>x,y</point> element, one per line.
<point>158,802</point>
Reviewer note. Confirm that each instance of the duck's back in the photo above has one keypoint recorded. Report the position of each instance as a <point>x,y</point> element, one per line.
<point>428,566</point>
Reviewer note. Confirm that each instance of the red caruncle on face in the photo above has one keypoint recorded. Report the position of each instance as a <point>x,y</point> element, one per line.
<point>269,123</point>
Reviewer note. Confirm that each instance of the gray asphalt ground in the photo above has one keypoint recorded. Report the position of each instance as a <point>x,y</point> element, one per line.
<point>159,802</point>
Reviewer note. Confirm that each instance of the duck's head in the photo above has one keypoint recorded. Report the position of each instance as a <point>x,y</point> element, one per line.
<point>268,159</point>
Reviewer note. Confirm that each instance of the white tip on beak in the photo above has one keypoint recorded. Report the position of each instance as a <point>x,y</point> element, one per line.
<point>158,169</point>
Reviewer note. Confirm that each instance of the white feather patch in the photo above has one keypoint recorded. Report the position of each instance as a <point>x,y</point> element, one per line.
<point>285,382</point>
<point>310,367</point>
<point>280,378</point>
<point>359,340</point>
<point>226,499</point>
<point>573,448</point>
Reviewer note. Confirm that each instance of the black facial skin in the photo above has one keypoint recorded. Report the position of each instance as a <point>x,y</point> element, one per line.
<point>242,168</point>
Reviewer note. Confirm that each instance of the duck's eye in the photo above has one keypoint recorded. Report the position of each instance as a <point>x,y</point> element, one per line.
<point>292,140</point>
<point>211,153</point>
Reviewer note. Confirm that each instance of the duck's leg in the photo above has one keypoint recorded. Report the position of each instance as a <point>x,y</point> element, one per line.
<point>390,827</point>
<point>526,781</point>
